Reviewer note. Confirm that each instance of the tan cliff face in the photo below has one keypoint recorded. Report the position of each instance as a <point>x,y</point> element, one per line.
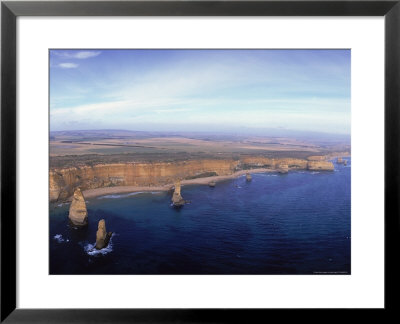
<point>63,182</point>
<point>316,158</point>
<point>320,165</point>
<point>274,163</point>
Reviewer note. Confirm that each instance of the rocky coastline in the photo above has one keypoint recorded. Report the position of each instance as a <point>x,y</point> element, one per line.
<point>135,177</point>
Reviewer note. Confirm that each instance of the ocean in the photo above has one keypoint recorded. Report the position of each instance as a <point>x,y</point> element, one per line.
<point>295,223</point>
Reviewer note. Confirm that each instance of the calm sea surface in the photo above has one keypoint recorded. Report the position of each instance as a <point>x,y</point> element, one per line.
<point>298,223</point>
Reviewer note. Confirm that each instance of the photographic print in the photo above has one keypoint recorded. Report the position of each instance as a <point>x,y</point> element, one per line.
<point>200,161</point>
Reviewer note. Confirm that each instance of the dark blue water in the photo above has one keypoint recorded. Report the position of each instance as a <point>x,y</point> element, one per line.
<point>298,223</point>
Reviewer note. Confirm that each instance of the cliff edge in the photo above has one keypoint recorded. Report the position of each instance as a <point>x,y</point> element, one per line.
<point>320,166</point>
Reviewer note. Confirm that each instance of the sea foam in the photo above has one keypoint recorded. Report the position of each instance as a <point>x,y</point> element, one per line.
<point>91,248</point>
<point>59,238</point>
<point>116,196</point>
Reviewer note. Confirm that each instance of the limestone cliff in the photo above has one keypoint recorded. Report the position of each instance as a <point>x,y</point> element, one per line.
<point>316,158</point>
<point>77,211</point>
<point>102,237</point>
<point>262,162</point>
<point>320,165</point>
<point>177,199</point>
<point>63,181</point>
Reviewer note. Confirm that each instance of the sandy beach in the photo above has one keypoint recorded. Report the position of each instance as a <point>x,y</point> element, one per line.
<point>90,193</point>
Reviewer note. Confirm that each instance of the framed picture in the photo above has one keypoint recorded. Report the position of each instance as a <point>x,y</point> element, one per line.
<point>198,160</point>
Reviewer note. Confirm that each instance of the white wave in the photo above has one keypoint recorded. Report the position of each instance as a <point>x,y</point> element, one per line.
<point>265,175</point>
<point>116,196</point>
<point>314,172</point>
<point>91,248</point>
<point>59,238</point>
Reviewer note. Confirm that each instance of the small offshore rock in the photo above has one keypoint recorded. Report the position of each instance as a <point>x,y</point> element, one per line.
<point>77,211</point>
<point>248,176</point>
<point>211,184</point>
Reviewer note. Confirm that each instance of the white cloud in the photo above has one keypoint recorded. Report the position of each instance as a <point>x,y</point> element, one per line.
<point>172,110</point>
<point>202,94</point>
<point>78,55</point>
<point>68,65</point>
<point>86,54</point>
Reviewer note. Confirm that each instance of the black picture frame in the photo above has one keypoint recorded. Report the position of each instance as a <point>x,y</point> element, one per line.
<point>10,10</point>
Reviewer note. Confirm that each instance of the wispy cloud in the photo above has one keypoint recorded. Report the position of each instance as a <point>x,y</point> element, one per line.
<point>78,54</point>
<point>175,88</point>
<point>68,65</point>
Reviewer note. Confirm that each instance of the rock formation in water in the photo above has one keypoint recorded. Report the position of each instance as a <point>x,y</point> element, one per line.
<point>339,160</point>
<point>102,237</point>
<point>177,199</point>
<point>248,176</point>
<point>344,162</point>
<point>320,166</point>
<point>77,211</point>
<point>211,184</point>
<point>283,168</point>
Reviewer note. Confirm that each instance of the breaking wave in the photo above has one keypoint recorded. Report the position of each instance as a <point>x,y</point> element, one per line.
<point>59,238</point>
<point>62,204</point>
<point>91,248</point>
<point>127,195</point>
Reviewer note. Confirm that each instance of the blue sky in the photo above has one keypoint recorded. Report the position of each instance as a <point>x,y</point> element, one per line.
<point>200,90</point>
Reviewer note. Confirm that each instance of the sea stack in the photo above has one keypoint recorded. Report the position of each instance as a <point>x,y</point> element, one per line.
<point>283,168</point>
<point>102,237</point>
<point>77,211</point>
<point>344,162</point>
<point>248,176</point>
<point>177,199</point>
